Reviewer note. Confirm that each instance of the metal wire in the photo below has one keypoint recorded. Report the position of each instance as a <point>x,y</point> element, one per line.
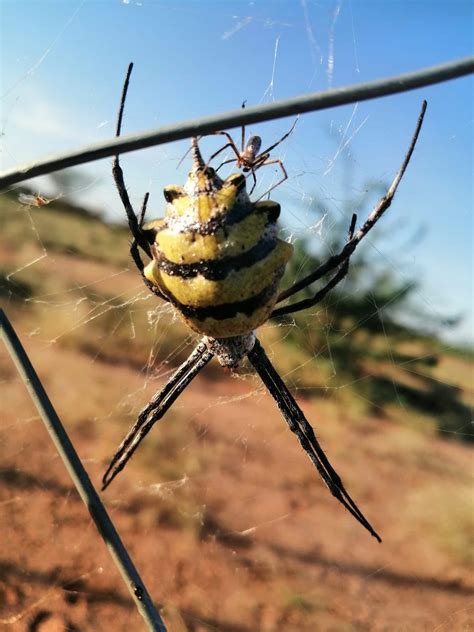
<point>236,118</point>
<point>80,477</point>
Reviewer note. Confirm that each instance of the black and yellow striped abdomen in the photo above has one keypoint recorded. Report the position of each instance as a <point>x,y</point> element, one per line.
<point>216,255</point>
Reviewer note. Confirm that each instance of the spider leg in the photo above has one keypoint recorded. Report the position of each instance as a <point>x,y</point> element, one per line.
<point>252,173</point>
<point>298,424</point>
<point>135,224</point>
<point>156,409</point>
<point>336,260</point>
<point>276,161</point>
<point>284,137</point>
<point>132,218</point>
<point>320,294</point>
<point>117,173</point>
<point>226,162</point>
<point>231,144</point>
<point>135,253</point>
<point>242,141</point>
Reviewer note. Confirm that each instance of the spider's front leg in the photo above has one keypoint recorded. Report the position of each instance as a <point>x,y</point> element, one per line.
<point>134,223</point>
<point>231,145</point>
<point>140,239</point>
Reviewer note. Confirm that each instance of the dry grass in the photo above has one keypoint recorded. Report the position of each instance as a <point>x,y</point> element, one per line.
<point>221,510</point>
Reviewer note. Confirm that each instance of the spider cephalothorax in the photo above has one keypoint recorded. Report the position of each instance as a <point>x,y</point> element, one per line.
<point>217,258</point>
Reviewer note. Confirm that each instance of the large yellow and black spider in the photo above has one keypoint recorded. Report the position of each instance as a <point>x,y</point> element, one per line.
<point>216,258</point>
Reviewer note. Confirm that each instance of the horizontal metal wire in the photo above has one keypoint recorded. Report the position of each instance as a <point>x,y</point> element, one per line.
<point>236,118</point>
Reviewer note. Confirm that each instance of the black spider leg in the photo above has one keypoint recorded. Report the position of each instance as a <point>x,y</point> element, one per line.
<point>156,409</point>
<point>242,133</point>
<point>298,424</point>
<point>230,144</point>
<point>140,239</point>
<point>266,152</point>
<point>134,251</point>
<point>321,271</point>
<point>342,257</point>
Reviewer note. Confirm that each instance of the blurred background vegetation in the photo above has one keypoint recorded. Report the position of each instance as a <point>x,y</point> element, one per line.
<point>366,344</point>
<point>370,368</point>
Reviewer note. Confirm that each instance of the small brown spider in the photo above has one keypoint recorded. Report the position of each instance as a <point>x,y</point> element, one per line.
<point>250,158</point>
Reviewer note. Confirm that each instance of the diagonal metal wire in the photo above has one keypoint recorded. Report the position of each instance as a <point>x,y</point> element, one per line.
<point>80,478</point>
<point>247,116</point>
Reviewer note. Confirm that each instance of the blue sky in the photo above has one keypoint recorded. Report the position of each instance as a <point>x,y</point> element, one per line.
<point>63,64</point>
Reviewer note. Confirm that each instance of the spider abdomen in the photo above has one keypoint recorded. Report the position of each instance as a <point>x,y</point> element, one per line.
<point>216,255</point>
<point>251,150</point>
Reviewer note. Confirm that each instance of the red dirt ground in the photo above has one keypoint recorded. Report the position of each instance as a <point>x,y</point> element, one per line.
<point>223,514</point>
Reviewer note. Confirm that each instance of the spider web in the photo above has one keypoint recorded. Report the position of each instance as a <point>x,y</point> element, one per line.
<point>219,494</point>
